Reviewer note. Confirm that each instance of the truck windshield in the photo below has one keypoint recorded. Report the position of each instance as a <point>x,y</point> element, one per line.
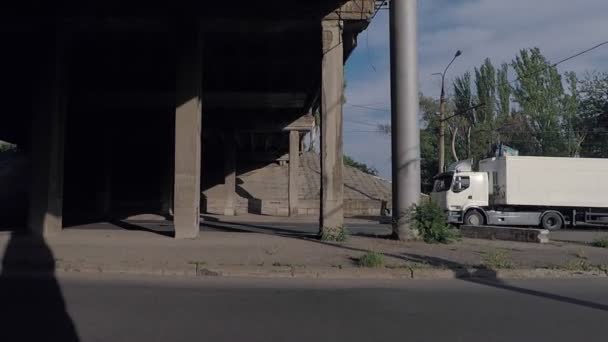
<point>443,183</point>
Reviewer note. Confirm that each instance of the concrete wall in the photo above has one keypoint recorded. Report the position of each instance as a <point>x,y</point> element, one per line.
<point>264,190</point>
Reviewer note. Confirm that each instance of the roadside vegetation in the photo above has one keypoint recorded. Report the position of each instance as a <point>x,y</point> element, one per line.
<point>601,243</point>
<point>429,222</point>
<point>339,234</point>
<point>497,259</point>
<point>371,260</point>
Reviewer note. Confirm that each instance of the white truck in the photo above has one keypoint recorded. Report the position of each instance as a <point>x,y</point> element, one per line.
<point>526,191</point>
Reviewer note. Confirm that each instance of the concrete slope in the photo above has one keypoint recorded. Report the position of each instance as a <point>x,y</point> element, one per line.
<point>265,190</point>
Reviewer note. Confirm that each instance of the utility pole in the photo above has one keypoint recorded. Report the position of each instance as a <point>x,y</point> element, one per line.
<point>405,131</point>
<point>442,104</point>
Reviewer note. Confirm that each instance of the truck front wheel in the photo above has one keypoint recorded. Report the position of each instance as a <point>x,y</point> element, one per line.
<point>474,218</point>
<point>552,221</point>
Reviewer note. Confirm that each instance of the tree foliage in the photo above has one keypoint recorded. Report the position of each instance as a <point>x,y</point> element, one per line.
<point>540,113</point>
<point>348,161</point>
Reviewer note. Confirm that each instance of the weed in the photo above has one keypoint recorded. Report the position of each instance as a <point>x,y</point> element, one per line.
<point>429,220</point>
<point>371,260</point>
<point>338,234</point>
<point>578,264</point>
<point>580,254</point>
<point>601,243</point>
<point>197,263</point>
<point>497,259</point>
<point>271,251</point>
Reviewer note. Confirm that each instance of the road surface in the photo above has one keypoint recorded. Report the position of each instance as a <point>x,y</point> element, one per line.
<point>111,308</point>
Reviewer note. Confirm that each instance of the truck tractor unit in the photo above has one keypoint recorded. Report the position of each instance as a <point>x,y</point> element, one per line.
<point>526,191</point>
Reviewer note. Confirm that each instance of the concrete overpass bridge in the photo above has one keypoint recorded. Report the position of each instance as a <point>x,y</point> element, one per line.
<point>127,107</point>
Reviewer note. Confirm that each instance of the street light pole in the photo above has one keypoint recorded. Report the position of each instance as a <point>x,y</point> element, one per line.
<point>442,104</point>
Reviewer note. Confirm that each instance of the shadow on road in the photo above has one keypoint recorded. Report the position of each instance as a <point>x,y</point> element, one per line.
<point>32,308</point>
<point>274,229</point>
<point>477,274</point>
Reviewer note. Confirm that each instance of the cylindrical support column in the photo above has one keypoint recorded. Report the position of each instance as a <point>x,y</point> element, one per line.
<point>45,216</point>
<point>332,98</point>
<point>230,173</point>
<point>188,126</point>
<point>405,136</point>
<point>294,166</point>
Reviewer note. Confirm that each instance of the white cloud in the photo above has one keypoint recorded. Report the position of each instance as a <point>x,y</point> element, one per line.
<point>496,29</point>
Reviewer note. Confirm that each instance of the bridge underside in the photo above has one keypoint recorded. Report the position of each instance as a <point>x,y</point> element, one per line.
<point>126,109</point>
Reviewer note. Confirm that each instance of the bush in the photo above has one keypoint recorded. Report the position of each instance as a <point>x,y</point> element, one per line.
<point>601,243</point>
<point>430,222</point>
<point>371,259</point>
<point>339,234</point>
<point>497,259</point>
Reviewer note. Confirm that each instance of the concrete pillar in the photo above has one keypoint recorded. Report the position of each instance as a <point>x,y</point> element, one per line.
<point>230,173</point>
<point>188,125</point>
<point>45,214</point>
<point>294,166</point>
<point>332,98</point>
<point>106,193</point>
<point>405,134</point>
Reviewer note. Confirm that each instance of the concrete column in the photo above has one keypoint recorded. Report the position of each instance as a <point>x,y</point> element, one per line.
<point>332,98</point>
<point>106,193</point>
<point>294,166</point>
<point>405,134</point>
<point>188,125</point>
<point>230,173</point>
<point>45,214</point>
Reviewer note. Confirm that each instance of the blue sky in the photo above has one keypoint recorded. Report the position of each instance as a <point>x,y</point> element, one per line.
<point>480,28</point>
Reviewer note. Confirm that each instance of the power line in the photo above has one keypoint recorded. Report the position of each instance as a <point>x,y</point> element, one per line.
<point>368,107</point>
<point>361,122</point>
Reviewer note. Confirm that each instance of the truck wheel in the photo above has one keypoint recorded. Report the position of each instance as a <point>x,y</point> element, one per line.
<point>474,218</point>
<point>552,221</point>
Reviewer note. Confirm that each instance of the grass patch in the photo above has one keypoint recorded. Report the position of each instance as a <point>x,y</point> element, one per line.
<point>430,222</point>
<point>197,263</point>
<point>338,234</point>
<point>601,243</point>
<point>497,259</point>
<point>371,260</point>
<point>578,264</point>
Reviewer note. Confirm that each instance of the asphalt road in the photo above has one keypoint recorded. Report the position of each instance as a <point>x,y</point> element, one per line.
<point>215,309</point>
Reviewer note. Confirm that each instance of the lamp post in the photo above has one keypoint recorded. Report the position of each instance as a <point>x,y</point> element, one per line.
<point>442,103</point>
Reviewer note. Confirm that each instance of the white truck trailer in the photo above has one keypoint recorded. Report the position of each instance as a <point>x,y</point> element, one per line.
<point>526,191</point>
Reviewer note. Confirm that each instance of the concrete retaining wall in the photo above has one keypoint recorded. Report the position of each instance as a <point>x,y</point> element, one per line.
<point>506,233</point>
<point>279,207</point>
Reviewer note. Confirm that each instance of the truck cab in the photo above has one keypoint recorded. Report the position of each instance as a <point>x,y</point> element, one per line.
<point>459,192</point>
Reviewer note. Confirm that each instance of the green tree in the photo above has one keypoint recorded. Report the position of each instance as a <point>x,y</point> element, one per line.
<point>574,124</point>
<point>540,96</point>
<point>485,82</point>
<point>593,96</point>
<point>503,90</point>
<point>348,161</point>
<point>465,122</point>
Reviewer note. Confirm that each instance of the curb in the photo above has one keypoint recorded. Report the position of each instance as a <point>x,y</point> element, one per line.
<point>283,272</point>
